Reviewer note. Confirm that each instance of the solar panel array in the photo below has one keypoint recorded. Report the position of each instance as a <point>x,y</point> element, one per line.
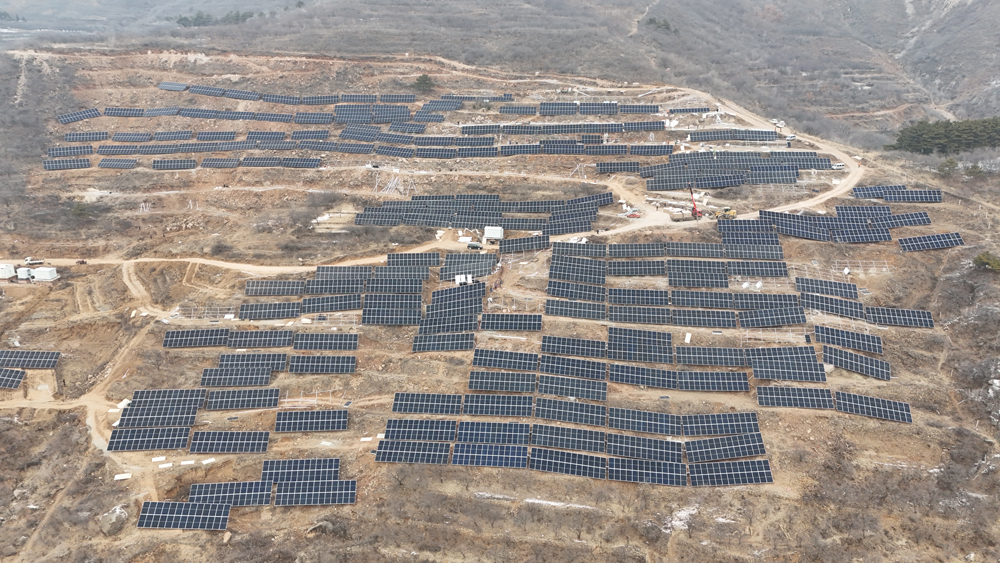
<point>848,339</point>
<point>931,242</point>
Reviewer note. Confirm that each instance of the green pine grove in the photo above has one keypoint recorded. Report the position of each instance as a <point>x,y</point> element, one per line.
<point>948,137</point>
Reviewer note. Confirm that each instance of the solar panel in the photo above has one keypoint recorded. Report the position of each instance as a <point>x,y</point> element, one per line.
<point>420,430</point>
<point>11,378</point>
<point>269,311</point>
<point>311,421</point>
<point>260,339</point>
<point>931,242</point>
<point>493,433</point>
<point>826,287</point>
<point>161,112</point>
<point>572,387</point>
<point>847,339</point>
<point>502,381</point>
<point>724,381</point>
<point>576,291</point>
<point>500,359</point>
<point>693,250</point>
<point>334,286</point>
<point>633,352</point>
<point>567,438</point>
<point>331,304</point>
<point>901,220</point>
<point>276,117</point>
<point>261,161</point>
<point>759,318</point>
<point>647,471</point>
<point>397,286</point>
<point>117,163</point>
<point>159,413</point>
<point>178,164</point>
<point>646,377</point>
<point>241,399</point>
<point>315,493</point>
<point>914,196</point>
<point>86,136</point>
<point>309,469</point>
<point>794,397</point>
<point>758,269</point>
<point>313,118</point>
<point>238,493</point>
<point>707,319</point>
<point>706,356</point>
<point>702,299</point>
<point>402,272</point>
<point>275,362</point>
<point>635,267</point>
<point>639,337</point>
<point>581,270</point>
<point>645,421</point>
<point>851,361</point>
<point>328,100</point>
<point>841,307</point>
<point>117,150</point>
<point>569,463</point>
<point>575,309</point>
<point>322,364</point>
<point>427,403</point>
<point>229,442</point>
<point>749,472</point>
<point>511,322</point>
<point>489,455</point>
<point>66,164</point>
<point>643,448</point>
<point>639,315</point>
<point>343,272</point>
<point>195,338</point>
<point>412,452</point>
<point>574,347</point>
<point>524,244</point>
<point>148,439</point>
<point>78,116</point>
<point>874,407</point>
<point>571,411</point>
<point>278,99</point>
<point>574,367</point>
<point>414,259</point>
<point>439,325</point>
<point>28,359</point>
<point>183,516</point>
<point>720,424</point>
<point>69,151</point>
<point>235,377</point>
<point>692,279</point>
<point>498,405</point>
<point>444,342</point>
<point>172,86</point>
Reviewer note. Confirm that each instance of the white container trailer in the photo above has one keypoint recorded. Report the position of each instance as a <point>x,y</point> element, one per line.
<point>44,274</point>
<point>492,234</point>
<point>7,271</point>
<point>24,274</point>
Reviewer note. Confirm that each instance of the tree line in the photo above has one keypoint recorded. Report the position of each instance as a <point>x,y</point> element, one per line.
<point>201,19</point>
<point>948,137</point>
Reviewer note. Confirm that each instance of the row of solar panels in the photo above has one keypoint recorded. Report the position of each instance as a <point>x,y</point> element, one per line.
<point>751,251</point>
<point>898,193</point>
<point>582,108</point>
<point>733,135</point>
<point>185,164</point>
<point>699,299</point>
<point>563,129</point>
<point>375,114</point>
<point>199,338</point>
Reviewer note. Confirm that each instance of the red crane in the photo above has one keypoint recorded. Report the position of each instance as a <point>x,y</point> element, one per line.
<point>694,206</point>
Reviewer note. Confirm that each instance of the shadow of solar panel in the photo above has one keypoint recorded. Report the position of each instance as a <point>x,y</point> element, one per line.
<point>238,399</point>
<point>315,493</point>
<point>310,135</point>
<point>728,447</point>
<point>691,279</point>
<point>720,424</point>
<point>420,430</point>
<point>498,405</point>
<point>568,463</point>
<point>427,403</point>
<point>873,407</point>
<point>117,163</point>
<point>78,116</point>
<point>489,455</point>
<point>183,516</point>
<point>229,442</point>
<point>571,411</point>
<point>161,112</point>
<point>574,347</point>
<point>309,469</point>
<point>639,315</point>
<point>172,86</point>
<point>722,381</point>
<point>848,339</point>
<point>707,319</point>
<point>148,439</point>
<point>238,493</point>
<point>572,387</point>
<point>395,286</point>
<point>274,362</point>
<point>195,338</point>
<point>931,242</point>
<point>444,342</point>
<point>321,341</point>
<point>640,353</point>
<point>524,244</point>
<point>728,473</point>
<point>11,378</point>
<point>795,397</point>
<point>576,291</point>
<point>28,359</point>
<point>785,316</point>
<point>567,438</point>
<point>645,421</point>
<point>440,325</point>
<point>826,287</point>
<point>502,381</point>
<point>851,361</point>
<point>511,322</point>
<point>788,369</point>
<point>574,367</point>
<point>650,150</point>
<point>841,307</point>
<point>269,311</point>
<point>260,339</point>
<point>512,433</point>
<point>67,164</point>
<point>707,356</point>
<point>390,451</point>
<point>646,377</point>
<point>403,127</point>
<point>235,377</point>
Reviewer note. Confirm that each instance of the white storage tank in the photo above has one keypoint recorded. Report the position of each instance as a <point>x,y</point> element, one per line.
<point>44,274</point>
<point>24,273</point>
<point>7,271</point>
<point>493,233</point>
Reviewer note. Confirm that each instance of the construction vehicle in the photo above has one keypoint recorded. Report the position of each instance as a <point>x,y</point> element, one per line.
<point>694,206</point>
<point>726,213</point>
<point>29,261</point>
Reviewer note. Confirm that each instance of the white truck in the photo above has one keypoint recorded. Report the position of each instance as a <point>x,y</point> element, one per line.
<point>29,261</point>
